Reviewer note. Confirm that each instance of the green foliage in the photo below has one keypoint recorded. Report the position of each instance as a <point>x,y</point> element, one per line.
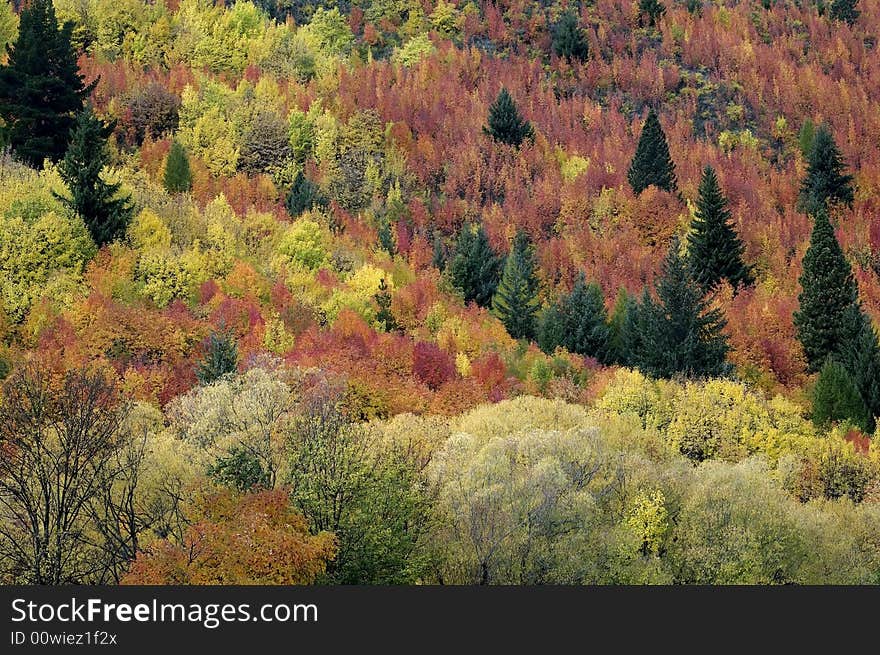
<point>806,136</point>
<point>715,251</point>
<point>569,40</point>
<point>475,268</point>
<point>41,90</point>
<point>414,50</point>
<point>177,177</point>
<point>104,210</point>
<point>652,10</point>
<point>515,301</point>
<point>265,144</point>
<point>861,358</point>
<point>239,470</point>
<point>221,358</point>
<point>826,182</point>
<point>577,322</point>
<point>303,196</point>
<point>505,124</point>
<point>383,299</point>
<point>828,297</point>
<point>845,11</point>
<point>680,334</point>
<point>836,398</point>
<point>652,163</point>
<point>304,244</point>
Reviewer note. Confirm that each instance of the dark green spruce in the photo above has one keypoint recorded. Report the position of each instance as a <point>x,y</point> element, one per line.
<point>652,163</point>
<point>475,267</point>
<point>178,176</point>
<point>505,124</point>
<point>569,40</point>
<point>515,302</point>
<point>577,322</point>
<point>221,357</point>
<point>826,182</point>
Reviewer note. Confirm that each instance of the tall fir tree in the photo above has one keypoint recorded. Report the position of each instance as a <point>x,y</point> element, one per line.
<point>515,302</point>
<point>178,176</point>
<point>651,10</point>
<point>621,328</point>
<point>475,267</point>
<point>860,356</point>
<point>104,211</point>
<point>505,124</point>
<point>221,357</point>
<point>652,163</point>
<point>569,40</point>
<point>303,194</point>
<point>826,181</point>
<point>41,89</point>
<point>828,298</point>
<point>715,251</point>
<point>578,322</point>
<point>845,11</point>
<point>681,334</point>
<point>836,398</point>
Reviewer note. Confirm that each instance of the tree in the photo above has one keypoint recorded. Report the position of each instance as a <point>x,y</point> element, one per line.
<point>652,9</point>
<point>475,267</point>
<point>861,358</point>
<point>680,334</point>
<point>845,10</point>
<point>386,236</point>
<point>569,40</point>
<point>220,359</point>
<point>836,398</point>
<point>623,329</point>
<point>104,212</point>
<point>714,249</point>
<point>256,538</point>
<point>652,163</point>
<point>41,90</point>
<point>304,194</point>
<point>383,299</point>
<point>60,434</point>
<point>828,296</point>
<point>515,301</point>
<point>826,182</point>
<point>265,144</point>
<point>578,322</point>
<point>505,124</point>
<point>178,176</point>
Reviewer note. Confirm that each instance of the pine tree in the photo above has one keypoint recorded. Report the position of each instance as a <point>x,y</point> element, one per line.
<point>828,297</point>
<point>861,358</point>
<point>386,236</point>
<point>652,10</point>
<point>95,200</point>
<point>826,182</point>
<point>652,163</point>
<point>620,326</point>
<point>578,322</point>
<point>845,11</point>
<point>177,177</point>
<point>569,40</point>
<point>505,123</point>
<point>515,302</point>
<point>41,90</point>
<point>835,397</point>
<point>303,195</point>
<point>715,250</point>
<point>220,359</point>
<point>475,268</point>
<point>438,258</point>
<point>383,300</point>
<point>680,333</point>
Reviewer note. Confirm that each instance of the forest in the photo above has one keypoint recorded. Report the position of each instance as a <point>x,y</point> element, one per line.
<point>444,292</point>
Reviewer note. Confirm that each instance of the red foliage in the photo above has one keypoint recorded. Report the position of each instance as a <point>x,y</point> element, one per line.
<point>432,365</point>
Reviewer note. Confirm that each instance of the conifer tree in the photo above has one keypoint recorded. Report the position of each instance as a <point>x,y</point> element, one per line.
<point>861,359</point>
<point>383,300</point>
<point>515,302</point>
<point>652,10</point>
<point>652,163</point>
<point>569,40</point>
<point>220,359</point>
<point>439,255</point>
<point>836,398</point>
<point>475,268</point>
<point>715,250</point>
<point>178,176</point>
<point>828,297</point>
<point>303,195</point>
<point>826,182</point>
<point>505,124</point>
<point>104,212</point>
<point>680,333</point>
<point>386,236</point>
<point>620,327</point>
<point>845,11</point>
<point>41,89</point>
<point>578,322</point>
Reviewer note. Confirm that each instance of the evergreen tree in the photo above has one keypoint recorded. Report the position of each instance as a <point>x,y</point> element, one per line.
<point>383,300</point>
<point>475,267</point>
<point>621,328</point>
<point>835,397</point>
<point>680,334</point>
<point>95,200</point>
<point>177,177</point>
<point>569,40</point>
<point>828,297</point>
<point>438,258</point>
<point>578,322</point>
<point>652,10</point>
<point>41,90</point>
<point>861,358</point>
<point>303,195</point>
<point>386,236</point>
<point>505,123</point>
<point>652,163</point>
<point>241,470</point>
<point>826,182</point>
<point>515,302</point>
<point>845,11</point>
<point>714,248</point>
<point>220,359</point>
